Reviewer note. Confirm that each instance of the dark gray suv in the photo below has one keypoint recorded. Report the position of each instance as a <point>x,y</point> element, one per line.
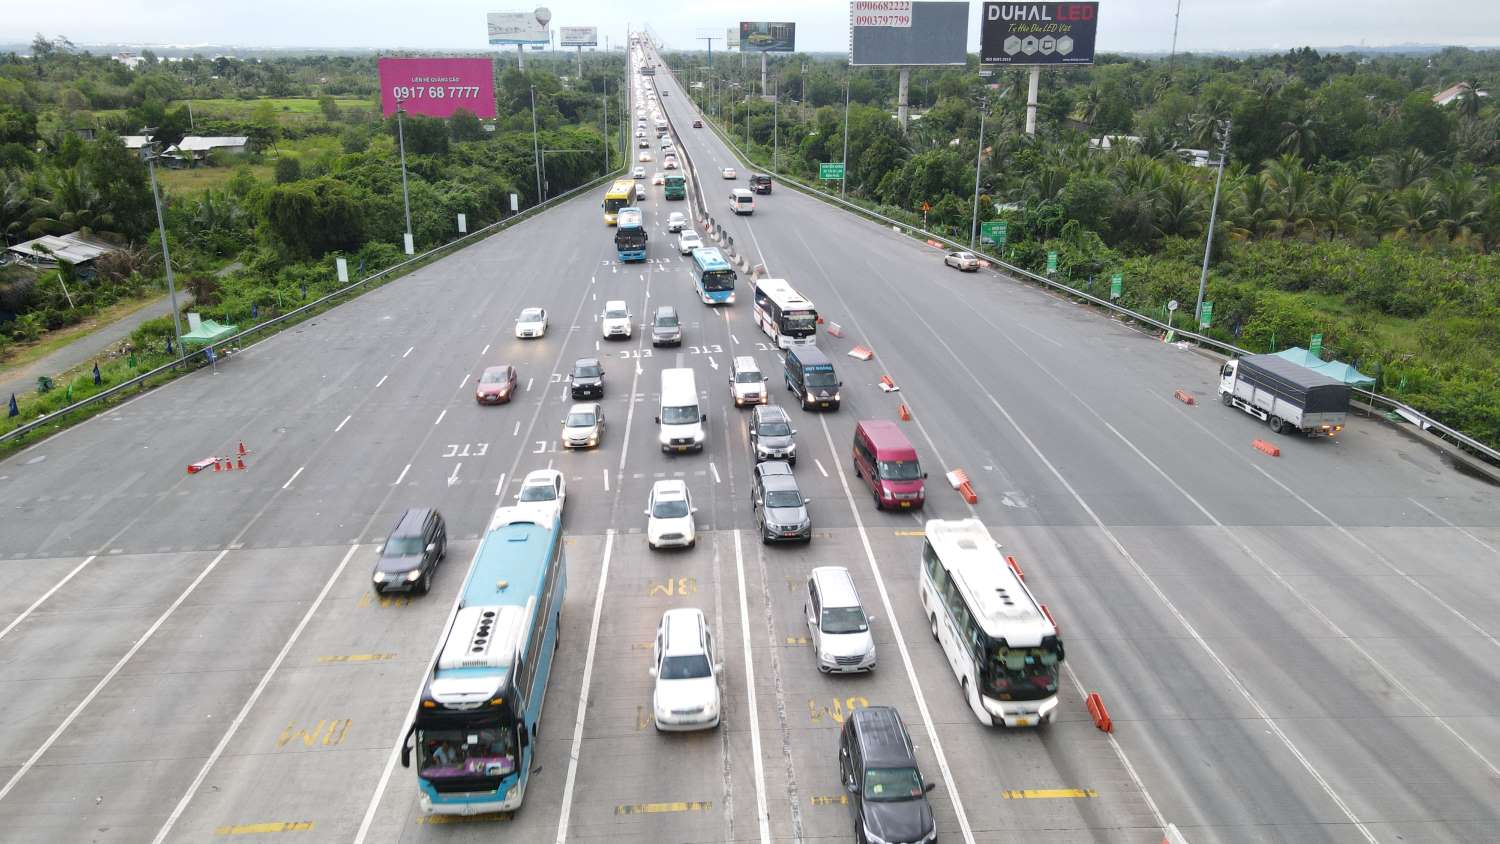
<point>780,510</point>
<point>666,328</point>
<point>412,552</point>
<point>878,764</point>
<point>771,435</point>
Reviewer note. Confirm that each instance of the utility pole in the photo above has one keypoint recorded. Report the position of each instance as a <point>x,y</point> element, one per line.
<point>775,124</point>
<point>536,148</point>
<point>710,39</point>
<point>1172,58</point>
<point>149,153</point>
<point>1213,212</point>
<point>410,243</point>
<point>984,107</point>
<point>1031,100</point>
<point>605,138</point>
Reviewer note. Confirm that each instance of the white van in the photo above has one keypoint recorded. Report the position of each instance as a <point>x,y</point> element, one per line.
<point>741,201</point>
<point>681,422</point>
<point>839,627</point>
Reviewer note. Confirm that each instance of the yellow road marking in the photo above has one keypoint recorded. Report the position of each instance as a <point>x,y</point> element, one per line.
<point>911,533</point>
<point>331,732</point>
<point>674,586</point>
<point>366,601</point>
<point>357,658</point>
<point>493,817</point>
<point>1047,793</point>
<point>660,808</point>
<point>798,640</point>
<point>830,800</point>
<point>259,828</point>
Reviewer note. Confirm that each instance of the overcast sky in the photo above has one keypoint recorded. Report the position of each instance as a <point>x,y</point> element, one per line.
<point>822,25</point>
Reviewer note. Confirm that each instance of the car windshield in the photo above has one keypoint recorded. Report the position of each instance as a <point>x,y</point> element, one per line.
<point>615,313</point>
<point>531,315</point>
<point>822,379</point>
<point>843,620</point>
<point>539,492</point>
<point>403,546</point>
<point>900,470</point>
<point>443,754</point>
<point>494,376</point>
<point>684,667</point>
<point>588,372</point>
<point>684,415</point>
<point>670,508</point>
<point>580,420</point>
<point>892,784</point>
<point>749,376</point>
<point>777,428</point>
<point>783,498</point>
<point>691,238</point>
<point>667,321</point>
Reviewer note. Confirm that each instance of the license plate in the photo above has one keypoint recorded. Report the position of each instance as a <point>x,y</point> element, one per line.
<point>1023,722</point>
<point>822,404</point>
<point>906,504</point>
<point>682,448</point>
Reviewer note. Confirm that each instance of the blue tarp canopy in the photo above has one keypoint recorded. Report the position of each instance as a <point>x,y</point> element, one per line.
<point>1335,369</point>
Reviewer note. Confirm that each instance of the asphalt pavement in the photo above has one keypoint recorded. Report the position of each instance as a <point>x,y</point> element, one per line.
<point>1292,649</point>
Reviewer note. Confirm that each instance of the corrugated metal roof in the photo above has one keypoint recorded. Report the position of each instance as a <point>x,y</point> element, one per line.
<point>73,248</point>
<point>197,144</point>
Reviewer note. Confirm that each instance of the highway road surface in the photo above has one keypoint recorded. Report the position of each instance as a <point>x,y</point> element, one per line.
<point>1295,649</point>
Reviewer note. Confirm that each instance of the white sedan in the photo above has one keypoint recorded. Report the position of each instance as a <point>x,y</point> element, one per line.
<point>532,323</point>
<point>543,494</point>
<point>658,179</point>
<point>644,157</point>
<point>676,221</point>
<point>640,173</point>
<point>688,241</point>
<point>669,163</point>
<point>728,173</point>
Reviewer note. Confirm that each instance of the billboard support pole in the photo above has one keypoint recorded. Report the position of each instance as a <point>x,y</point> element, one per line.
<point>903,87</point>
<point>762,73</point>
<point>605,136</point>
<point>844,178</point>
<point>536,149</point>
<point>521,57</point>
<point>405,200</point>
<point>1036,80</point>
<point>580,63</point>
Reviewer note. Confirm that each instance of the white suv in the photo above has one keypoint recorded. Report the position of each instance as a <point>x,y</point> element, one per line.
<point>669,516</point>
<point>683,661</point>
<point>615,321</point>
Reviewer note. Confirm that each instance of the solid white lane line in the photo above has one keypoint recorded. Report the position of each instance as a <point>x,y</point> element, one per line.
<point>382,380</point>
<point>485,350</point>
<point>715,470</point>
<point>407,352</point>
<point>911,671</point>
<point>265,680</point>
<point>440,416</point>
<point>293,477</point>
<point>49,593</point>
<point>104,681</point>
<point>819,464</point>
<point>1488,547</point>
<point>500,484</point>
<point>462,380</point>
<point>343,423</point>
<point>401,477</point>
<point>583,693</point>
<point>760,774</point>
<point>528,384</point>
<point>606,479</point>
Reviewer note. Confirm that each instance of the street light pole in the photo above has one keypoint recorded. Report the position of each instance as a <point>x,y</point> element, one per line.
<point>844,182</point>
<point>775,124</point>
<point>166,255</point>
<point>405,198</point>
<point>984,107</point>
<point>605,98</point>
<point>536,147</point>
<point>1213,212</point>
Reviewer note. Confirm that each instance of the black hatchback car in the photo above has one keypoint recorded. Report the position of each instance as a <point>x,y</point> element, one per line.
<point>411,554</point>
<point>587,379</point>
<point>878,765</point>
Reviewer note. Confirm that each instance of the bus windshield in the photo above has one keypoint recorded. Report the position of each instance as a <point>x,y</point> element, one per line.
<point>1022,673</point>
<point>718,280</point>
<point>450,754</point>
<point>613,206</point>
<point>799,324</point>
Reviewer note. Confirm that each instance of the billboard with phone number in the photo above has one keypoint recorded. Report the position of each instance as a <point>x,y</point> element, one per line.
<point>1037,33</point>
<point>437,87</point>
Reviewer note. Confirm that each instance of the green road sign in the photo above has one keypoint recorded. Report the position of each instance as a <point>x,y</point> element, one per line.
<point>1116,285</point>
<point>993,231</point>
<point>1051,262</point>
<point>1316,345</point>
<point>1206,316</point>
<point>831,171</point>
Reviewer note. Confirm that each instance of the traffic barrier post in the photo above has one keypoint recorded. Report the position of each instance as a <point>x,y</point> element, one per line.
<point>1100,714</point>
<point>1185,397</point>
<point>1262,445</point>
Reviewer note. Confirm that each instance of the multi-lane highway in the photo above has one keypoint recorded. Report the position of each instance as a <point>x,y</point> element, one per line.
<point>1292,649</point>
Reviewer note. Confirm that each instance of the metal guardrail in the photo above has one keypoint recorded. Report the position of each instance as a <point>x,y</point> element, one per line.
<point>200,356</point>
<point>1406,411</point>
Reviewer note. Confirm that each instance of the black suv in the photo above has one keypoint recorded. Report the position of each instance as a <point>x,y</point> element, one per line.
<point>879,768</point>
<point>780,510</point>
<point>587,379</point>
<point>771,435</point>
<point>760,183</point>
<point>411,554</point>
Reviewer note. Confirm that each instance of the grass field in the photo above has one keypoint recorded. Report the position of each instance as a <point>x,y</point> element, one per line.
<point>288,109</point>
<point>183,182</point>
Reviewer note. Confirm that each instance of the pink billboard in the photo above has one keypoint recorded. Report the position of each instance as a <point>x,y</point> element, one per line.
<point>436,87</point>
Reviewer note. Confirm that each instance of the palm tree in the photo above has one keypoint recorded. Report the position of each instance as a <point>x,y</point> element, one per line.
<point>1404,168</point>
<point>1249,205</point>
<point>1337,209</point>
<point>1412,213</point>
<point>1179,207</point>
<point>1459,199</point>
<point>18,207</point>
<point>1468,99</point>
<point>1300,137</point>
<point>1292,187</point>
<point>1093,100</point>
<point>1377,209</point>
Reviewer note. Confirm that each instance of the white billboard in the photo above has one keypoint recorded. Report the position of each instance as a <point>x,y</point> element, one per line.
<point>519,27</point>
<point>578,36</point>
<point>731,38</point>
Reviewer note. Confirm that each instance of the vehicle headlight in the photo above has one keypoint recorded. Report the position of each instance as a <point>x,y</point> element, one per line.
<point>593,439</point>
<point>379,577</point>
<point>839,396</point>
<point>511,794</point>
<point>730,299</point>
<point>698,437</point>
<point>411,576</point>
<point>762,449</point>
<point>872,837</point>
